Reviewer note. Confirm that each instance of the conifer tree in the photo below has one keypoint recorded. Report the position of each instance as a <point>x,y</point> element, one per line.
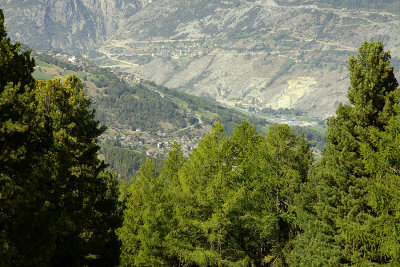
<point>230,204</point>
<point>22,143</point>
<point>235,207</point>
<point>147,221</point>
<point>57,207</point>
<point>338,225</point>
<point>16,66</point>
<point>76,185</point>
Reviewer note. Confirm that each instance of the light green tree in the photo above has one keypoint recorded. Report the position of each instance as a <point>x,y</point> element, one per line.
<point>237,196</point>
<point>147,221</point>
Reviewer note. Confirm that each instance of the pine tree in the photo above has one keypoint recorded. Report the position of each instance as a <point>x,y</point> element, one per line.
<point>57,205</point>
<point>76,185</point>
<point>337,226</point>
<point>22,143</point>
<point>16,66</point>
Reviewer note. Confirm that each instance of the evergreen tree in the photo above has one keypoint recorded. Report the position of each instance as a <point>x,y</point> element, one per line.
<point>230,204</point>
<point>24,208</point>
<point>381,158</point>
<point>147,221</point>
<point>16,66</point>
<point>237,193</point>
<point>339,224</point>
<point>76,184</point>
<point>57,207</point>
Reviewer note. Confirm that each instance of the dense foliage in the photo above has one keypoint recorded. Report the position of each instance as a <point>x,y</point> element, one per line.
<point>230,203</point>
<point>251,200</point>
<point>57,205</point>
<point>315,138</point>
<point>124,162</point>
<point>350,205</point>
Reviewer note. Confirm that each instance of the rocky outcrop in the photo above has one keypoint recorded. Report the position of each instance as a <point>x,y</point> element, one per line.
<point>69,25</point>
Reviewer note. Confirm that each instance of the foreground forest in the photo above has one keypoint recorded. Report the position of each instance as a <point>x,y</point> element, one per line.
<point>252,200</point>
<point>239,200</point>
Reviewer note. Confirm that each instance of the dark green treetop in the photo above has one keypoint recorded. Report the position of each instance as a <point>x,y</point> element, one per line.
<point>57,207</point>
<point>341,226</point>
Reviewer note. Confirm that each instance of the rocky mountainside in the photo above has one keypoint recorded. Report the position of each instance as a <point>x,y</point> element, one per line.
<point>69,25</point>
<point>251,54</point>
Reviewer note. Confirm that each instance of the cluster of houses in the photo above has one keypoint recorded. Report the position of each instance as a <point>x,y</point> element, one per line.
<point>154,145</point>
<point>129,77</point>
<point>175,50</point>
<point>291,121</point>
<point>64,57</point>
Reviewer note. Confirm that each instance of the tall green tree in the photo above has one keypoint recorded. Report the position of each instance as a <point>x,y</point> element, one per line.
<point>231,203</point>
<point>22,142</point>
<point>16,66</point>
<point>147,233</point>
<point>237,193</point>
<point>57,207</point>
<point>148,221</point>
<point>339,224</point>
<point>381,158</point>
<point>76,184</point>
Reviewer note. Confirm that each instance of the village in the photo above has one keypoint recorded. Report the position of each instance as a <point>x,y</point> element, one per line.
<point>154,145</point>
<point>171,49</point>
<point>291,121</point>
<point>157,144</point>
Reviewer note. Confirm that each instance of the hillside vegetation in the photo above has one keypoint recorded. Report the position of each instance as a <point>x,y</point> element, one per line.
<point>249,199</point>
<point>127,107</point>
<point>124,103</point>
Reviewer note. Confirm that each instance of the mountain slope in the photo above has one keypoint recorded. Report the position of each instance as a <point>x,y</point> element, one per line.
<point>257,54</point>
<point>122,102</point>
<point>73,25</point>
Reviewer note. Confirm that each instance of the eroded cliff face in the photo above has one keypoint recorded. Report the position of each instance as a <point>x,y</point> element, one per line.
<point>70,25</point>
<point>114,13</point>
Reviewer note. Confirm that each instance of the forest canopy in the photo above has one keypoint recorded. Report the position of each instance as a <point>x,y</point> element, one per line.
<point>248,199</point>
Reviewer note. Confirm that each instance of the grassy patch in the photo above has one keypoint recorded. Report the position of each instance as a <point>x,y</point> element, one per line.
<point>42,64</point>
<point>206,114</point>
<point>309,119</point>
<point>38,75</point>
<point>319,128</point>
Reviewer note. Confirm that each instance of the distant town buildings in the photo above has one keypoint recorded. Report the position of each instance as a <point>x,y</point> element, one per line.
<point>154,145</point>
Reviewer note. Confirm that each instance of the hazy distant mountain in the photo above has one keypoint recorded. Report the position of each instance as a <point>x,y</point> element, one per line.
<point>265,53</point>
<point>69,25</point>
